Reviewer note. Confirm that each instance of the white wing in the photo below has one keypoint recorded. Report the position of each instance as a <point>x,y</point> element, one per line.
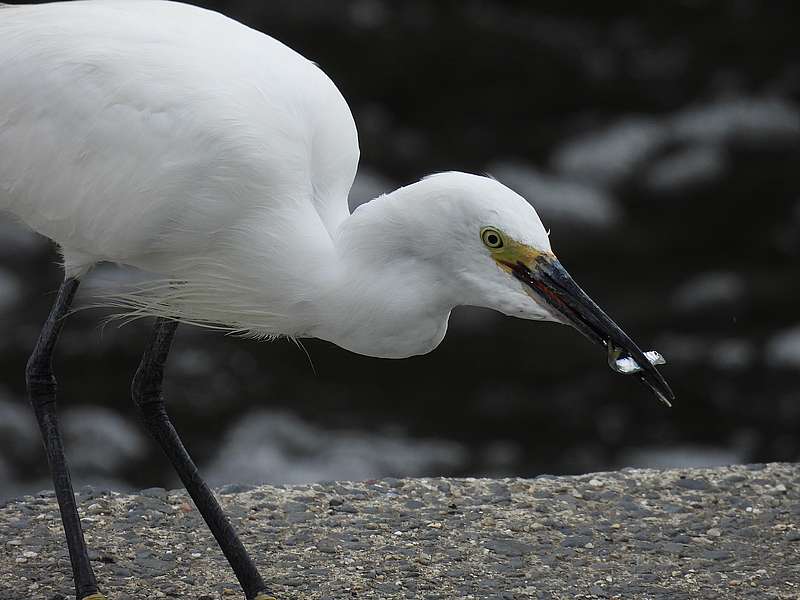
<point>130,128</point>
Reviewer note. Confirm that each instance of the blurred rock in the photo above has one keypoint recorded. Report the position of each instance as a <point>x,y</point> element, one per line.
<point>693,167</point>
<point>10,290</point>
<point>741,121</point>
<point>708,290</point>
<point>368,184</point>
<point>679,457</point>
<point>559,201</point>
<point>100,441</point>
<point>783,349</point>
<point>611,155</point>
<point>277,447</point>
<point>192,362</point>
<point>688,349</point>
<point>732,354</point>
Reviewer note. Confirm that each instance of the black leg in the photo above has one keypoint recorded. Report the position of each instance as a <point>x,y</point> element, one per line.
<point>42,394</point>
<point>149,399</point>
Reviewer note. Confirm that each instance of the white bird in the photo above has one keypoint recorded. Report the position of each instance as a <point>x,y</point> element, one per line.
<point>176,140</point>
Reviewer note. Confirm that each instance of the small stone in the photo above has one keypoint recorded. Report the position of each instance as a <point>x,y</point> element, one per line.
<point>576,541</point>
<point>327,546</point>
<point>235,488</point>
<point>674,548</point>
<point>714,532</point>
<point>509,548</point>
<point>717,555</point>
<point>154,492</point>
<point>693,484</point>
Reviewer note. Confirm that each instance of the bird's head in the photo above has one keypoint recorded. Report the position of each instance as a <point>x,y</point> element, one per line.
<point>486,246</point>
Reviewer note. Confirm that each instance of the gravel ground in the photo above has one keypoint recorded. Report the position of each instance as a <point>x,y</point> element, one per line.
<point>731,532</point>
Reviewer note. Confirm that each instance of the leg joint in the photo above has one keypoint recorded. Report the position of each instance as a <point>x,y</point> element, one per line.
<point>39,378</point>
<point>153,413</point>
<point>146,385</point>
<point>147,394</point>
<point>38,366</point>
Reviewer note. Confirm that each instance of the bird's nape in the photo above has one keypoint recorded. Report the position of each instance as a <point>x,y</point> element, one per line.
<point>549,281</point>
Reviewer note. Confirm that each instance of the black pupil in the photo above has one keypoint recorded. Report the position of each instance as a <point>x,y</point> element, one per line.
<point>492,239</point>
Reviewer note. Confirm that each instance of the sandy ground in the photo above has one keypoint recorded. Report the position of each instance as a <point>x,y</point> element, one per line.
<point>731,532</point>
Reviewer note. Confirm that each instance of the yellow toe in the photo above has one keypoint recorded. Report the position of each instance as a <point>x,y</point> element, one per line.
<point>95,596</point>
<point>265,597</point>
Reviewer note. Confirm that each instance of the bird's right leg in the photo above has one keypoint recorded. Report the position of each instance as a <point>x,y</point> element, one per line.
<point>147,395</point>
<point>42,394</point>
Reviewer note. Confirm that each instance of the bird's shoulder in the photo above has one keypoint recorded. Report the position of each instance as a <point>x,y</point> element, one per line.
<point>203,93</point>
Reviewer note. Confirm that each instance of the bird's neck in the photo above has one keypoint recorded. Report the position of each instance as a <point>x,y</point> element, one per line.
<point>382,301</point>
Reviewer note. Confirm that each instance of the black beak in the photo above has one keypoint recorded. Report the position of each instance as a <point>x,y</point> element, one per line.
<point>551,282</point>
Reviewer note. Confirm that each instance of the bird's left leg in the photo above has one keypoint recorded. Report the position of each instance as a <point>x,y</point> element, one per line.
<point>42,393</point>
<point>149,399</point>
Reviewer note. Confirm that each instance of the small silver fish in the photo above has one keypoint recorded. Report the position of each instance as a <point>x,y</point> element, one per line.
<point>626,365</point>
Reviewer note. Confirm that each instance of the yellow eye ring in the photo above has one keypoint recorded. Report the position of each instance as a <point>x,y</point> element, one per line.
<point>492,238</point>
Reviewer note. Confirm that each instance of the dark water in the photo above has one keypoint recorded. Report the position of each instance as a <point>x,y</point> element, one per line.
<point>659,142</point>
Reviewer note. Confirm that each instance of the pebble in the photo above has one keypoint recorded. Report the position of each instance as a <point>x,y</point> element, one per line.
<point>576,541</point>
<point>693,484</point>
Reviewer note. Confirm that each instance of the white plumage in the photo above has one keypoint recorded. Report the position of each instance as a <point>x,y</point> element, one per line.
<point>160,135</point>
<point>173,139</point>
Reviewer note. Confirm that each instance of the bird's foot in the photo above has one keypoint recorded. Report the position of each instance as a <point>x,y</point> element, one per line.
<point>95,596</point>
<point>265,596</point>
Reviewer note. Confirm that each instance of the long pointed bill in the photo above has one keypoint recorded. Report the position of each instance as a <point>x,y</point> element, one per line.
<point>551,283</point>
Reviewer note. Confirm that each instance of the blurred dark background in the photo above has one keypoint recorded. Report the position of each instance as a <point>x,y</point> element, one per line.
<point>659,141</point>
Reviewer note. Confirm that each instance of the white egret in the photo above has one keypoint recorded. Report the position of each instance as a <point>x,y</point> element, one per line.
<point>171,138</point>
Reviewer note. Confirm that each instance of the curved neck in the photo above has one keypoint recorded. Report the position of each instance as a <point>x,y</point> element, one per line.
<point>382,300</point>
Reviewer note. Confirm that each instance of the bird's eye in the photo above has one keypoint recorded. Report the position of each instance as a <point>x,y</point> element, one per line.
<point>492,238</point>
